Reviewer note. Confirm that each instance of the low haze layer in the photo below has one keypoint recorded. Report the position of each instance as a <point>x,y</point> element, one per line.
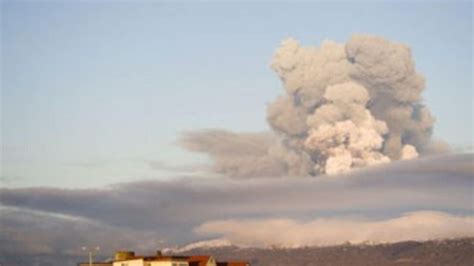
<point>377,199</point>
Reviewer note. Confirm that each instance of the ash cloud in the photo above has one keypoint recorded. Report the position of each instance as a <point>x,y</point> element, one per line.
<point>171,210</point>
<point>31,233</point>
<point>346,105</point>
<point>239,154</point>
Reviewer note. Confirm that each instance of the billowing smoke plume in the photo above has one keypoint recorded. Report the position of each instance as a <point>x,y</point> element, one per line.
<point>345,106</point>
<point>350,105</point>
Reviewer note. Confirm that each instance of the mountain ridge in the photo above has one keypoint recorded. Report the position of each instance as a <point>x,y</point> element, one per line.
<point>432,252</point>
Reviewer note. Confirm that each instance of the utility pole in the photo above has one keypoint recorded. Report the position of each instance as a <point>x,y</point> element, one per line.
<point>90,251</point>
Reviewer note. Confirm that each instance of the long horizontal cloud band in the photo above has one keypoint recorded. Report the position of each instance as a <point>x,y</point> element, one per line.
<point>437,183</point>
<point>321,211</point>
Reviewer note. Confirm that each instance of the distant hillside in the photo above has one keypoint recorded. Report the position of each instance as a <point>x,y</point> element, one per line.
<point>455,252</point>
<point>445,252</point>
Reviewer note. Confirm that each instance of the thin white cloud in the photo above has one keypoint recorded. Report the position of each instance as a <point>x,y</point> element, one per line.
<point>421,225</point>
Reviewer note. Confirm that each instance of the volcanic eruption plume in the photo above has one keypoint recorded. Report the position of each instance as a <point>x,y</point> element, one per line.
<point>345,106</point>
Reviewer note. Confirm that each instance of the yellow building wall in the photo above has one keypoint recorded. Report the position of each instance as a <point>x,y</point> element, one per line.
<point>140,262</point>
<point>136,262</point>
<point>168,263</point>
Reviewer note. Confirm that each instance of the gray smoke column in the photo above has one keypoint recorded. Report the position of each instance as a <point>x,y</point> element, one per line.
<point>344,106</point>
<point>349,105</point>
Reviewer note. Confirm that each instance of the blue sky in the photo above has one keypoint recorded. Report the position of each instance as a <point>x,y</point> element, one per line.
<point>93,91</point>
